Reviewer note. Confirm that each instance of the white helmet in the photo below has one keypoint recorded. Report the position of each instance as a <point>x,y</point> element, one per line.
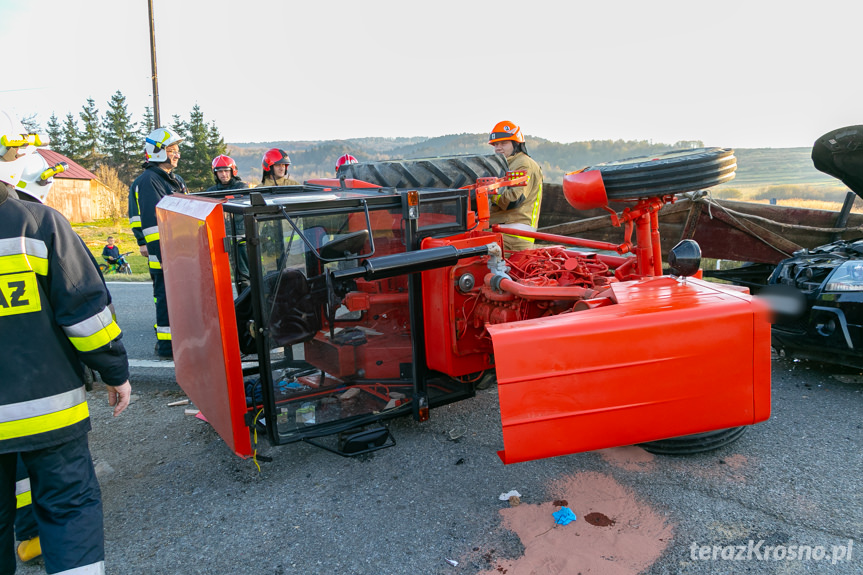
<point>10,172</point>
<point>37,176</point>
<point>157,141</point>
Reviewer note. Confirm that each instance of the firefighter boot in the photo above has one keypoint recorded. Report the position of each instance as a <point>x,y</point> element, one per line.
<point>29,550</point>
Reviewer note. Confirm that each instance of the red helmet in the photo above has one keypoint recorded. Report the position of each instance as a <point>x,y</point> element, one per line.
<point>223,163</point>
<point>345,159</point>
<point>275,156</point>
<point>505,131</point>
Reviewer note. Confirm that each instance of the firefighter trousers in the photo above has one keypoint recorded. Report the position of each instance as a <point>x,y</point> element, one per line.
<point>25,521</point>
<point>67,503</point>
<point>163,327</point>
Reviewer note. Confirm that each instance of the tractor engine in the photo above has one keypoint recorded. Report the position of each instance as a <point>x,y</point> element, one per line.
<point>552,267</point>
<point>461,300</point>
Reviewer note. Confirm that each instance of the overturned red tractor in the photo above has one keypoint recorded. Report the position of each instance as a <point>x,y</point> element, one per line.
<point>318,312</point>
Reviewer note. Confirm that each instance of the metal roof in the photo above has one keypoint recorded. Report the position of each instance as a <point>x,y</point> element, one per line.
<point>75,171</point>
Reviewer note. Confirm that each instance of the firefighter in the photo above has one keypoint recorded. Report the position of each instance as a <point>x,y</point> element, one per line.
<point>162,152</point>
<point>517,206</point>
<point>53,298</point>
<point>344,159</point>
<point>275,165</point>
<point>225,174</point>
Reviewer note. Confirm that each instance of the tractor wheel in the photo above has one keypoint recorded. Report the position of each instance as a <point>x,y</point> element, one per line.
<point>443,172</point>
<point>692,444</point>
<point>669,173</point>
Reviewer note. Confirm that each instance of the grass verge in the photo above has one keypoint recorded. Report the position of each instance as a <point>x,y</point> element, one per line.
<point>95,234</point>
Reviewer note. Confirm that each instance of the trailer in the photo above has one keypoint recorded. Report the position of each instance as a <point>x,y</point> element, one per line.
<point>320,312</point>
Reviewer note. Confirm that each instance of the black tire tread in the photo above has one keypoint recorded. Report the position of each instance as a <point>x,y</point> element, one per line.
<point>673,172</point>
<point>697,443</point>
<point>441,172</point>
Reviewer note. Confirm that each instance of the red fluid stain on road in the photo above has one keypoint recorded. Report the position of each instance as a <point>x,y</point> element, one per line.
<point>630,458</point>
<point>633,538</point>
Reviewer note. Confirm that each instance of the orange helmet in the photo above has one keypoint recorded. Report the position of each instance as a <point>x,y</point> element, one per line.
<point>345,159</point>
<point>505,131</point>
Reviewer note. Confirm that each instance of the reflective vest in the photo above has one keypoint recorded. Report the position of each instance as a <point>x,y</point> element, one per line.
<point>53,317</point>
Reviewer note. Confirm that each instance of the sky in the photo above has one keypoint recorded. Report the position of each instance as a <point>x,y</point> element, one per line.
<point>744,74</point>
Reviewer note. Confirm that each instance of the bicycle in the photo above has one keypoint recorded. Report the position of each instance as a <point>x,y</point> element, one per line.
<point>118,266</point>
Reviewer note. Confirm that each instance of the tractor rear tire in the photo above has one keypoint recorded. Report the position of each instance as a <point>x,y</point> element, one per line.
<point>692,444</point>
<point>668,173</point>
<point>443,172</point>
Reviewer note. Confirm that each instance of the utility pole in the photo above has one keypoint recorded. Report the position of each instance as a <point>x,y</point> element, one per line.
<point>156,121</point>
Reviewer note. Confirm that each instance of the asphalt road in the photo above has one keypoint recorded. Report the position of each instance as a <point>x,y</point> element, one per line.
<point>178,501</point>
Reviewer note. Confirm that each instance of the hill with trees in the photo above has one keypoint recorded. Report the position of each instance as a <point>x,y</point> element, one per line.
<point>112,143</point>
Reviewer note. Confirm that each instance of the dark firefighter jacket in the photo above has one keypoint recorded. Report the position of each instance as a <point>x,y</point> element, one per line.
<point>54,315</point>
<point>235,183</point>
<point>144,193</point>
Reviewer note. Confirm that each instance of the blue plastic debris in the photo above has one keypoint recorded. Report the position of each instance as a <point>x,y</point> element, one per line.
<point>564,516</point>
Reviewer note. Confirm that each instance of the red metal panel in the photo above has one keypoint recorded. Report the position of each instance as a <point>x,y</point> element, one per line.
<point>201,309</point>
<point>669,359</point>
<point>453,345</point>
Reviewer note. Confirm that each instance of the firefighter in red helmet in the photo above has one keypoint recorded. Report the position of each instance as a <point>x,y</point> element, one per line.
<point>517,206</point>
<point>344,159</point>
<point>225,174</point>
<point>275,165</point>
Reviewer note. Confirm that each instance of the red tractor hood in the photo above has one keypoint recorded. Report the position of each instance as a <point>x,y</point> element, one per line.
<point>671,358</point>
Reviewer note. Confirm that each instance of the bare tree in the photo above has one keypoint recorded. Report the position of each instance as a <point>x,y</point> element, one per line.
<point>113,198</point>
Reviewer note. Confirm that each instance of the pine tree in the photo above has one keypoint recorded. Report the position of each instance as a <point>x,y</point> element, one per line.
<point>119,138</point>
<point>31,125</point>
<point>215,141</point>
<point>90,136</point>
<point>196,159</point>
<point>179,126</point>
<point>55,134</point>
<point>146,125</point>
<point>71,138</point>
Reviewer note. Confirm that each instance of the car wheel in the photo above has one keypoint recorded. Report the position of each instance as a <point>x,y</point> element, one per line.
<point>669,173</point>
<point>697,443</point>
<point>442,172</point>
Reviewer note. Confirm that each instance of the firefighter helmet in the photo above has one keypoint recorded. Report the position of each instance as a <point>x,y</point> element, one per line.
<point>224,162</point>
<point>10,172</point>
<point>345,159</point>
<point>157,141</point>
<point>275,156</point>
<point>505,131</point>
<point>36,176</point>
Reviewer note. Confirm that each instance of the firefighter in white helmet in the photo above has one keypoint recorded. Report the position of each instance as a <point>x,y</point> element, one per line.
<point>53,298</point>
<point>162,150</point>
<point>518,206</point>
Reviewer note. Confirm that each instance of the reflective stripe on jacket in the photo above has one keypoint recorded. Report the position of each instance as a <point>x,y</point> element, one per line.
<point>526,199</point>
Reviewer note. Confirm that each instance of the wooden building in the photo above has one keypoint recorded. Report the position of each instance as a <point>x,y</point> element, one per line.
<point>77,192</point>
